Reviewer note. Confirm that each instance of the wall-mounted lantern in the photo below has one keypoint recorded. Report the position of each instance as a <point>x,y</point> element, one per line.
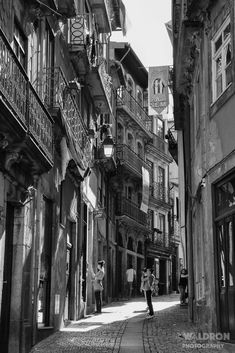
<point>107,144</point>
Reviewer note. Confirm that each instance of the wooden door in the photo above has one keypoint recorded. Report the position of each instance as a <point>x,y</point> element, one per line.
<point>225,231</point>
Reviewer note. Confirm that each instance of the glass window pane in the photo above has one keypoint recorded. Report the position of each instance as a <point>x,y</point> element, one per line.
<point>218,65</point>
<point>231,254</point>
<point>218,85</point>
<point>228,74</point>
<point>222,274</point>
<point>218,43</point>
<point>227,31</point>
<point>228,53</point>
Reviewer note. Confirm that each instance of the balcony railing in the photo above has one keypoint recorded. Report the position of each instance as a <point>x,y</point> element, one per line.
<point>125,99</point>
<point>127,208</point>
<point>80,32</point>
<point>19,94</point>
<point>39,122</point>
<point>159,192</point>
<point>160,144</point>
<point>126,156</point>
<point>57,95</point>
<point>162,241</point>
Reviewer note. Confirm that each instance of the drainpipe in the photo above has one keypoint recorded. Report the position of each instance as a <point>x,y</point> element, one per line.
<point>109,279</point>
<point>189,237</point>
<point>34,262</point>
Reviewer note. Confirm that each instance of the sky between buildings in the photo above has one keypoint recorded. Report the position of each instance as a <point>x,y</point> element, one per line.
<point>146,31</point>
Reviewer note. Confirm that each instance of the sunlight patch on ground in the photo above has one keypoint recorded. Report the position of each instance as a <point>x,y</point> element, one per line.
<point>118,312</point>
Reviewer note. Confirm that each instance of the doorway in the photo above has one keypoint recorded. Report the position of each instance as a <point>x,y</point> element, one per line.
<point>7,280</point>
<point>225,254</point>
<point>225,237</point>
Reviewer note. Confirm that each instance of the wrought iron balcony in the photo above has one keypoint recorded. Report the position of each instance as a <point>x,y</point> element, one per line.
<point>67,7</point>
<point>102,11</point>
<point>175,229</point>
<point>57,95</point>
<point>128,208</point>
<point>159,143</point>
<point>24,105</point>
<point>100,86</point>
<point>159,192</point>
<point>82,43</point>
<point>127,102</point>
<point>130,159</point>
<point>161,242</point>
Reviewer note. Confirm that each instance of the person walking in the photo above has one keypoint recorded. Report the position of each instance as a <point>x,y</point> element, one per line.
<point>183,284</point>
<point>98,285</point>
<point>147,281</point>
<point>130,277</point>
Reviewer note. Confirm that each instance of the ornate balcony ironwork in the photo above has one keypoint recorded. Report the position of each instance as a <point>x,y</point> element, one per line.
<point>161,242</point>
<point>160,144</point>
<point>40,123</point>
<point>102,9</point>
<point>57,95</point>
<point>23,102</point>
<point>128,102</point>
<point>159,192</point>
<point>13,80</point>
<point>129,158</point>
<point>127,208</point>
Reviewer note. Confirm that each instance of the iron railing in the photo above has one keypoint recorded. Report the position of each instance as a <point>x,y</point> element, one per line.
<point>162,241</point>
<point>159,143</point>
<point>80,30</point>
<point>159,192</point>
<point>126,156</point>
<point>57,95</point>
<point>22,100</point>
<point>124,98</point>
<point>128,208</point>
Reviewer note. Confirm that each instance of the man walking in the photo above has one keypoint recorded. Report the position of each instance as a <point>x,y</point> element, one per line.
<point>130,277</point>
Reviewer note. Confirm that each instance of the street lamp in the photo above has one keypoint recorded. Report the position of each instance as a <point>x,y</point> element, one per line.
<point>108,144</point>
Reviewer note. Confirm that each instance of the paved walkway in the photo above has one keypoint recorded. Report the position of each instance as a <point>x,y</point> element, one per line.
<point>123,328</point>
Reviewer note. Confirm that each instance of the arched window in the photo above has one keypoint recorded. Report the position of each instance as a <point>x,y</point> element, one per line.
<point>140,150</point>
<point>130,244</point>
<point>140,247</point>
<point>130,140</point>
<point>130,86</point>
<point>139,97</point>
<point>120,133</point>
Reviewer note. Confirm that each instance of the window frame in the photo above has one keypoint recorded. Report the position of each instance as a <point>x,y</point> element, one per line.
<point>221,51</point>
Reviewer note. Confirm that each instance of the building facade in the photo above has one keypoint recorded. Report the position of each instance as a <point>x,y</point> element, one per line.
<point>57,105</point>
<point>203,46</point>
<point>144,232</point>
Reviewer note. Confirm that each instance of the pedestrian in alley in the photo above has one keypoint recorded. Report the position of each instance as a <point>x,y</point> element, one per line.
<point>147,280</point>
<point>98,285</point>
<point>183,285</point>
<point>130,277</point>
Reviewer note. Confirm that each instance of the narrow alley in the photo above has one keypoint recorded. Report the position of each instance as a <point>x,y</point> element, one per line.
<point>123,327</point>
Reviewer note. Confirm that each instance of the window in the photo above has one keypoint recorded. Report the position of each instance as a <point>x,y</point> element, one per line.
<point>140,150</point>
<point>162,222</point>
<point>129,192</point>
<point>19,45</point>
<point>160,128</point>
<point>221,60</point>
<point>161,183</point>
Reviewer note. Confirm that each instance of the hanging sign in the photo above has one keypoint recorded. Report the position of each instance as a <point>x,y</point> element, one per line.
<point>158,88</point>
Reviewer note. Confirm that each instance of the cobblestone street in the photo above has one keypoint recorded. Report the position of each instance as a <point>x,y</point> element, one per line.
<point>123,327</point>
